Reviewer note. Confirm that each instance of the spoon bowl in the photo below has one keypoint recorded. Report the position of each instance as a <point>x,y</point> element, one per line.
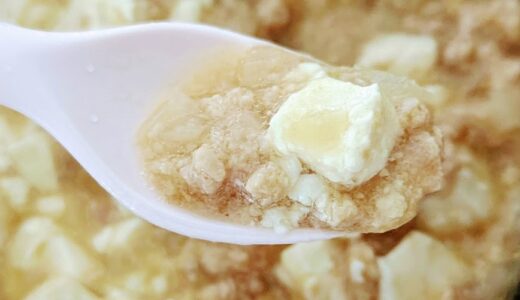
<point>92,90</point>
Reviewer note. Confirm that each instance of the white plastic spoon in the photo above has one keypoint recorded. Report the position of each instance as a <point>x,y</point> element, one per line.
<point>92,90</point>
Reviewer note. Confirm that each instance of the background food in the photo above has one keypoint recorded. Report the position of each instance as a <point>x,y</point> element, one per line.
<point>60,233</point>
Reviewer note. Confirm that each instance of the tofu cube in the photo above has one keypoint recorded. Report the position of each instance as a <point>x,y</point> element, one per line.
<point>33,159</point>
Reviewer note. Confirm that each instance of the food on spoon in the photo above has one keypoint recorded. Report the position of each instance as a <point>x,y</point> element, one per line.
<point>475,85</point>
<point>265,136</point>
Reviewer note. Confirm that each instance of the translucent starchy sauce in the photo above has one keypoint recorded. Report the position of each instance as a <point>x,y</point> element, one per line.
<point>63,237</point>
<point>270,137</point>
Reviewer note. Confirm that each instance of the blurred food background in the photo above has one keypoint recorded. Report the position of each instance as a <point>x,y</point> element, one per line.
<point>62,237</point>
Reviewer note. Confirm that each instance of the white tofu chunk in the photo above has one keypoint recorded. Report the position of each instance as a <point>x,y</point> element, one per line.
<point>115,293</point>
<point>135,282</point>
<point>33,159</point>
<point>308,269</point>
<point>98,14</point>
<point>6,134</point>
<point>468,203</point>
<point>5,160</point>
<point>190,10</point>
<point>307,259</point>
<point>32,13</point>
<point>40,244</point>
<point>16,190</point>
<point>117,235</point>
<point>292,167</point>
<point>63,256</point>
<point>404,54</point>
<point>283,219</point>
<point>420,268</point>
<point>159,284</point>
<point>25,247</point>
<point>335,211</point>
<point>53,205</point>
<point>342,131</point>
<point>61,289</point>
<point>308,189</point>
<point>439,95</point>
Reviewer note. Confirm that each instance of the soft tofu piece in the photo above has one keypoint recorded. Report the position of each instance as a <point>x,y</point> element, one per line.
<point>117,235</point>
<point>16,191</point>
<point>439,95</point>
<point>98,14</point>
<point>6,133</point>
<point>308,268</point>
<point>334,211</point>
<point>32,13</point>
<point>159,284</point>
<point>420,267</point>
<point>292,167</point>
<point>283,219</point>
<point>116,293</point>
<point>33,159</point>
<point>268,184</point>
<point>53,205</point>
<point>308,189</point>
<point>468,203</point>
<point>305,72</point>
<point>206,171</point>
<point>190,10</point>
<point>117,11</point>
<point>342,131</point>
<point>307,259</point>
<point>40,244</point>
<point>5,160</point>
<point>25,248</point>
<point>63,256</point>
<point>61,289</point>
<point>403,54</point>
<point>135,282</point>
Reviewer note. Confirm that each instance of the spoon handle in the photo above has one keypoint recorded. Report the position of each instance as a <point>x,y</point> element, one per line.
<point>20,50</point>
